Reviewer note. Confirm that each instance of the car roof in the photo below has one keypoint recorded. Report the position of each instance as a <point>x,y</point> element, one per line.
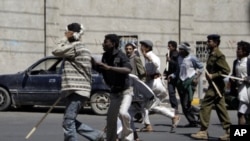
<point>97,57</point>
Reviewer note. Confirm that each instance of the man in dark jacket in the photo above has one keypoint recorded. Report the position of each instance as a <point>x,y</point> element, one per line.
<point>115,67</point>
<point>172,61</point>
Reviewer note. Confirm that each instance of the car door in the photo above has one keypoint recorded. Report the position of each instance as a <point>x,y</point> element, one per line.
<point>42,82</point>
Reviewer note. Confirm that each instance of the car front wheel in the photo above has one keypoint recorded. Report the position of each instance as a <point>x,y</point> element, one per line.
<point>99,103</point>
<point>5,101</point>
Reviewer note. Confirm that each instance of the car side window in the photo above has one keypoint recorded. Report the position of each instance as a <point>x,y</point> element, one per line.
<point>48,66</point>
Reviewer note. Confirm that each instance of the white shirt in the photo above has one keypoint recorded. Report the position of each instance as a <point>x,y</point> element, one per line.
<point>241,68</point>
<point>152,67</point>
<point>187,68</point>
<point>241,72</point>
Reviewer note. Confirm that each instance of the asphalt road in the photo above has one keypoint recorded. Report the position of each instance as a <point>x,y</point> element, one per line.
<point>16,124</point>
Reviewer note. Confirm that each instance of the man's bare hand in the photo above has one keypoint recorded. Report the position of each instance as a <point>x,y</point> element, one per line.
<point>103,66</point>
<point>195,81</point>
<point>210,76</point>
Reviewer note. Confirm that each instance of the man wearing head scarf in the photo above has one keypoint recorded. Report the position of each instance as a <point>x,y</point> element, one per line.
<point>76,83</point>
<point>216,66</point>
<point>188,74</point>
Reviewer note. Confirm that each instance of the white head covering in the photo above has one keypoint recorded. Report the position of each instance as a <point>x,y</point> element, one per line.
<point>77,28</point>
<point>185,47</point>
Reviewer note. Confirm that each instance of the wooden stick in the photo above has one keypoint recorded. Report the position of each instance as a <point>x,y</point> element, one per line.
<point>89,102</point>
<point>233,77</point>
<point>216,88</point>
<point>40,121</point>
<point>167,65</point>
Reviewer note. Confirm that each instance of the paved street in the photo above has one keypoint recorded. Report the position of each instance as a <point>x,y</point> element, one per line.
<point>15,125</point>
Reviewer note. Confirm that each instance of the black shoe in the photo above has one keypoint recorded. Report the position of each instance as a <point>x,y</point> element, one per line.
<point>191,125</point>
<point>172,130</point>
<point>198,118</point>
<point>138,118</point>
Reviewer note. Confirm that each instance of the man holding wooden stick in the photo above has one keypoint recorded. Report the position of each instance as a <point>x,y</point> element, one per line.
<point>171,67</point>
<point>76,83</point>
<point>240,77</point>
<point>216,66</point>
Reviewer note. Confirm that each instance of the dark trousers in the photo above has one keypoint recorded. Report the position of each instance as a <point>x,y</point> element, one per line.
<point>172,94</point>
<point>186,91</point>
<point>191,112</point>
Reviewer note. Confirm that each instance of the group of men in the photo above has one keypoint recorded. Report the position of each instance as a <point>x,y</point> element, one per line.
<point>183,74</point>
<point>126,75</point>
<point>216,70</point>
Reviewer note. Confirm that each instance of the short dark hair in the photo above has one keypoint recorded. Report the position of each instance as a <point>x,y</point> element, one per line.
<point>75,27</point>
<point>113,38</point>
<point>245,46</point>
<point>173,43</point>
<point>215,38</point>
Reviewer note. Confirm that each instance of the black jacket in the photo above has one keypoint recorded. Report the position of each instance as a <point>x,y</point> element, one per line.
<point>116,81</point>
<point>173,63</point>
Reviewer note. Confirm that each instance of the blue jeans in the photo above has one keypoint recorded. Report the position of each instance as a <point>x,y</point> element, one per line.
<point>72,126</point>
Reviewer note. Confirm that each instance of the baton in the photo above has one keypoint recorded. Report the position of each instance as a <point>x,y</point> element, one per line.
<point>232,77</point>
<point>40,121</point>
<point>167,63</point>
<point>216,88</point>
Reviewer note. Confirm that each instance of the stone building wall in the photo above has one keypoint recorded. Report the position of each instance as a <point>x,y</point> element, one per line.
<point>30,28</point>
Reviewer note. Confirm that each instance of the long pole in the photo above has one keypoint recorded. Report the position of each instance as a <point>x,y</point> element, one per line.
<point>232,77</point>
<point>41,120</point>
<point>214,85</point>
<point>167,63</point>
<point>179,21</point>
<point>45,28</point>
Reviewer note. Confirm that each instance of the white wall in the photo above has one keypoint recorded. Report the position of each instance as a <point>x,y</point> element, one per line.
<point>22,27</point>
